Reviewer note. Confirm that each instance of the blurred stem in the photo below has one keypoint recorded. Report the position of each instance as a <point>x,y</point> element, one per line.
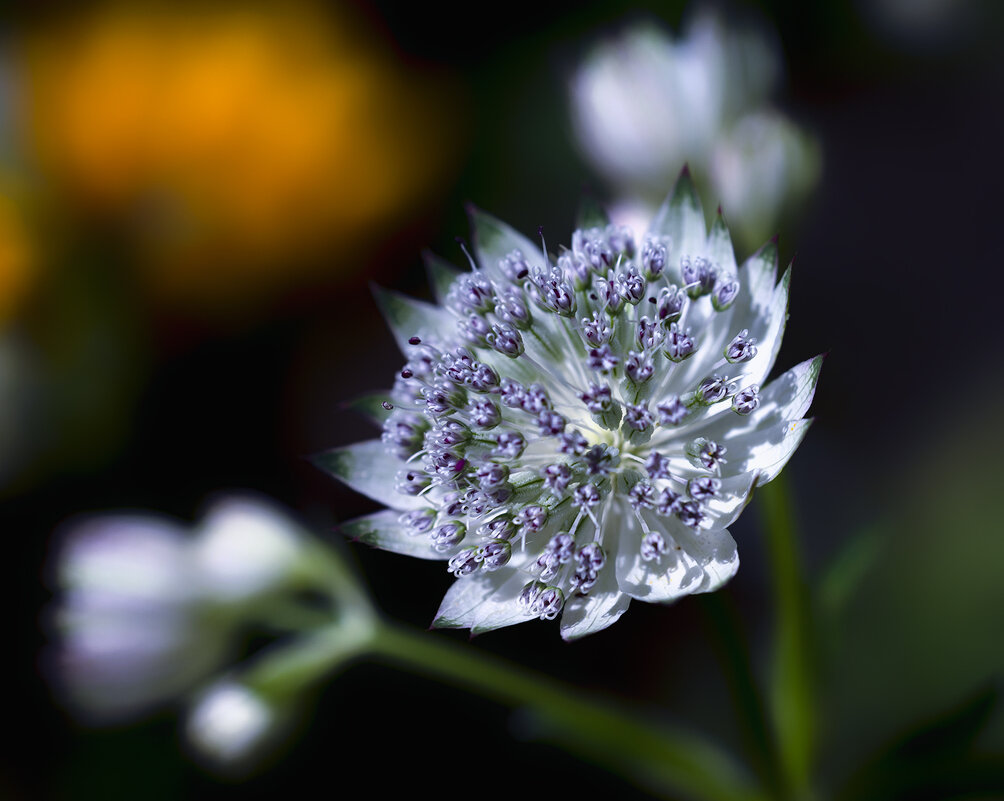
<point>287,668</point>
<point>672,763</point>
<point>733,653</point>
<point>791,691</point>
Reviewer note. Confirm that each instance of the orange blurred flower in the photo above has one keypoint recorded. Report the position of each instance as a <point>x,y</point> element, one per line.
<point>17,255</point>
<point>235,142</point>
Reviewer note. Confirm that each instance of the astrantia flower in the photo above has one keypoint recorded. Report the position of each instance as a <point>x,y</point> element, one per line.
<point>570,433</point>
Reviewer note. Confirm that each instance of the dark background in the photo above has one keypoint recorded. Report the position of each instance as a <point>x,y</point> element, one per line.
<point>897,277</point>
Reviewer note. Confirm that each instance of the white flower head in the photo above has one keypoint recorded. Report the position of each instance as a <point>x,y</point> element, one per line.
<point>572,433</point>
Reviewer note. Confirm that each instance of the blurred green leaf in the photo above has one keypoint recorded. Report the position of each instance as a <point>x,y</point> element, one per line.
<point>921,627</point>
<point>848,570</point>
<point>934,761</point>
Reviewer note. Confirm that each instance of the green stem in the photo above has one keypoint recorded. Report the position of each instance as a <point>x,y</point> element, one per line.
<point>672,763</point>
<point>732,648</point>
<point>791,680</point>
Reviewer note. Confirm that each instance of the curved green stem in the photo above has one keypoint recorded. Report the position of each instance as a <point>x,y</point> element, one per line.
<point>669,762</point>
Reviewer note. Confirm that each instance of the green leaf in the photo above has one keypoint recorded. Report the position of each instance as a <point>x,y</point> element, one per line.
<point>839,584</point>
<point>935,760</point>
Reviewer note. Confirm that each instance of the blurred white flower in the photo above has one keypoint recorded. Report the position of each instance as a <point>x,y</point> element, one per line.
<point>135,622</point>
<point>643,105</point>
<point>148,610</point>
<point>758,166</point>
<point>245,549</point>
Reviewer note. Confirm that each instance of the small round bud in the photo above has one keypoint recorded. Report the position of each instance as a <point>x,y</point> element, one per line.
<point>657,465</point>
<point>670,303</point>
<point>672,411</point>
<point>557,478</point>
<point>690,514</point>
<point>532,518</point>
<point>485,413</point>
<point>725,293</point>
<point>653,258</point>
<point>586,496</point>
<point>713,389</point>
<point>499,528</point>
<point>506,339</point>
<point>706,453</point>
<point>653,546</point>
<point>698,275</point>
<point>741,349</point>
<point>541,601</point>
<point>464,563</point>
<point>637,417</point>
<point>746,401</point>
<point>514,266</point>
<point>496,554</point>
<point>678,344</point>
<point>668,502</point>
<point>508,445</point>
<point>448,535</point>
<point>418,521</point>
<point>641,495</point>
<point>703,488</point>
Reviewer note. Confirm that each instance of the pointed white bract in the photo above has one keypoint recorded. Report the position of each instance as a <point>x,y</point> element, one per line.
<point>573,432</point>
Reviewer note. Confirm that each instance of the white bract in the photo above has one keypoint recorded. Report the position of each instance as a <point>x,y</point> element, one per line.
<point>572,433</point>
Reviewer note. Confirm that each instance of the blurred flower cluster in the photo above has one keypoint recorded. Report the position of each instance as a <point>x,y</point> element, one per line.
<point>231,143</point>
<point>151,614</point>
<point>643,105</point>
